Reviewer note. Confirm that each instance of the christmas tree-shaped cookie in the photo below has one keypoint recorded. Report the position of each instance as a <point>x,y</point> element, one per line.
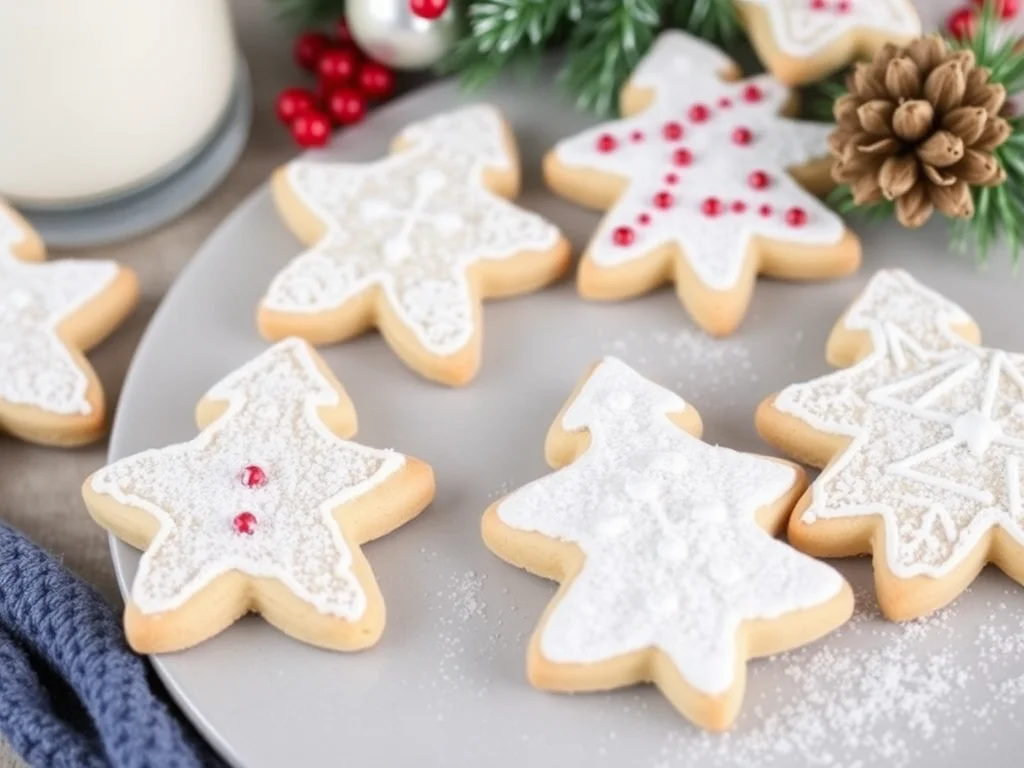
<point>922,440</point>
<point>704,181</point>
<point>51,312</point>
<point>263,511</point>
<point>664,547</point>
<point>412,244</point>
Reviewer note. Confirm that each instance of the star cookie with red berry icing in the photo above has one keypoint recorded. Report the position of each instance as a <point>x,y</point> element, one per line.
<point>264,511</point>
<point>802,41</point>
<point>703,184</point>
<point>51,312</point>
<point>921,437</point>
<point>665,549</point>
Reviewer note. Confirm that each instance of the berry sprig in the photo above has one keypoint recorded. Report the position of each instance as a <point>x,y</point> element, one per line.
<point>347,82</point>
<point>961,23</point>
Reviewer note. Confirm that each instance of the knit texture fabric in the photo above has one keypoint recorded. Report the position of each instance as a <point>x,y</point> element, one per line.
<point>72,694</point>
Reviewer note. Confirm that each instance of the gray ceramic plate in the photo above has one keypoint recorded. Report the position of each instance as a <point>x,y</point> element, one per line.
<point>446,685</point>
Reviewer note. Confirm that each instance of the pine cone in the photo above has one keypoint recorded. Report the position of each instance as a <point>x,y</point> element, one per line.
<point>919,126</point>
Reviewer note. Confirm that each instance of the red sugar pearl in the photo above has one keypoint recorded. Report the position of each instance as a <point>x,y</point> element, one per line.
<point>699,113</point>
<point>672,131</point>
<point>752,94</point>
<point>671,178</point>
<point>711,206</point>
<point>742,136</point>
<point>606,143</point>
<point>637,136</point>
<point>643,219</point>
<point>682,157</point>
<point>759,180</point>
<point>843,6</point>
<point>739,206</point>
<point>253,477</point>
<point>244,522</point>
<point>724,102</point>
<point>664,200</point>
<point>796,217</point>
<point>818,5</point>
<point>765,210</point>
<point>624,236</point>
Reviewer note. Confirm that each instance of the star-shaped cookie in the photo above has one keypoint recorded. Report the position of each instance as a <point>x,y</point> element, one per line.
<point>412,244</point>
<point>664,547</point>
<point>50,313</point>
<point>803,41</point>
<point>704,183</point>
<point>264,511</point>
<point>922,440</point>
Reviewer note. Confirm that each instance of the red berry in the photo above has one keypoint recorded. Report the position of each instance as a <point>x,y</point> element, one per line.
<point>664,200</point>
<point>682,157</point>
<point>759,180</point>
<point>292,102</point>
<point>309,46</point>
<point>253,477</point>
<point>699,113</point>
<point>347,106</point>
<point>752,94</point>
<point>1008,9</point>
<point>606,143</point>
<point>742,136</point>
<point>624,236</point>
<point>311,129</point>
<point>671,178</point>
<point>342,33</point>
<point>636,136</point>
<point>643,219</point>
<point>376,80</point>
<point>738,206</point>
<point>765,210</point>
<point>711,206</point>
<point>796,217</point>
<point>961,24</point>
<point>428,9</point>
<point>672,131</point>
<point>244,522</point>
<point>338,65</point>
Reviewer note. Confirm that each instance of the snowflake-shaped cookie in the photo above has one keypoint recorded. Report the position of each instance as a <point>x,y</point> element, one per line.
<point>263,511</point>
<point>702,185</point>
<point>665,548</point>
<point>412,243</point>
<point>50,312</point>
<point>923,438</point>
<point>802,41</point>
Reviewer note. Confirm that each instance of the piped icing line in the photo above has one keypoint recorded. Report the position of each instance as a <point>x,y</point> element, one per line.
<point>413,224</point>
<point>705,166</point>
<point>674,557</point>
<point>937,428</point>
<point>254,492</point>
<point>36,367</point>
<point>805,28</point>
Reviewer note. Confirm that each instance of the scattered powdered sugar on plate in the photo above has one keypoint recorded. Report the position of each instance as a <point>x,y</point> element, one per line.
<point>687,350</point>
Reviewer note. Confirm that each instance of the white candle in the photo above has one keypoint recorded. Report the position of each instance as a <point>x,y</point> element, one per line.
<point>99,96</point>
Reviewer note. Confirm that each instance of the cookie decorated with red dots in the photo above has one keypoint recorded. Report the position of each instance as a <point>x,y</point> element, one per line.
<point>264,511</point>
<point>706,184</point>
<point>802,41</point>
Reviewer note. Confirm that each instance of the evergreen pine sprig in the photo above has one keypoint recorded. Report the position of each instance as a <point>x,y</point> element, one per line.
<point>308,13</point>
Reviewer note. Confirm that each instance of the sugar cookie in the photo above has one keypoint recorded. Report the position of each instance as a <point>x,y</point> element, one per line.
<point>664,547</point>
<point>412,244</point>
<point>264,511</point>
<point>922,440</point>
<point>803,41</point>
<point>702,185</point>
<point>50,313</point>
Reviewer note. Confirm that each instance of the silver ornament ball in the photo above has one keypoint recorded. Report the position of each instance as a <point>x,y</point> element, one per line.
<point>391,33</point>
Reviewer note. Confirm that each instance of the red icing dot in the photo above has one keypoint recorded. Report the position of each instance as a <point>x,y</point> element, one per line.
<point>759,180</point>
<point>624,236</point>
<point>637,136</point>
<point>643,219</point>
<point>671,178</point>
<point>752,94</point>
<point>843,6</point>
<point>738,206</point>
<point>742,136</point>
<point>244,522</point>
<point>724,102</point>
<point>765,210</point>
<point>682,157</point>
<point>711,206</point>
<point>796,217</point>
<point>672,131</point>
<point>818,5</point>
<point>253,477</point>
<point>664,200</point>
<point>606,143</point>
<point>699,113</point>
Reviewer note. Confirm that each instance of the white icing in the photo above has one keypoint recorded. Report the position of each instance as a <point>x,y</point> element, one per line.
<point>674,557</point>
<point>937,428</point>
<point>801,29</point>
<point>194,491</point>
<point>36,368</point>
<point>411,224</point>
<point>715,247</point>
